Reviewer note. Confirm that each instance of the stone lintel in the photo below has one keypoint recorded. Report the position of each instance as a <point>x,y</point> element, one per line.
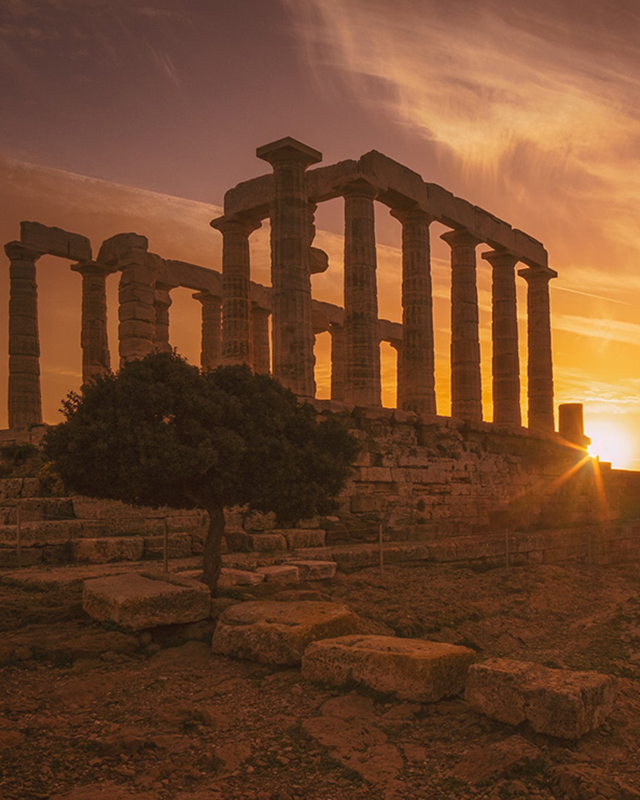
<point>55,241</point>
<point>118,247</point>
<point>390,331</point>
<point>191,276</point>
<point>288,149</point>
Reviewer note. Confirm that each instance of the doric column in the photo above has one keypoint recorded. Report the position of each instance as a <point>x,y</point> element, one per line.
<point>361,296</point>
<point>540,365</point>
<point>25,405</point>
<point>338,361</point>
<point>96,359</point>
<point>466,384</point>
<point>398,346</point>
<point>261,346</point>
<point>293,358</point>
<point>210,352</point>
<point>417,376</point>
<point>504,329</point>
<point>137,311</point>
<point>162,303</point>
<point>236,281</point>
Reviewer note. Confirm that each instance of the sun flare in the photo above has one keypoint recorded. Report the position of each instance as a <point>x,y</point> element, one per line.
<point>611,442</point>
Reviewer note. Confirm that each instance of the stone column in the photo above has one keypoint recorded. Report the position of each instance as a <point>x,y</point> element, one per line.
<point>211,351</point>
<point>261,349</point>
<point>504,329</point>
<point>137,311</point>
<point>361,296</point>
<point>25,404</point>
<point>162,303</point>
<point>236,281</point>
<point>96,359</point>
<point>398,346</point>
<point>338,361</point>
<point>293,358</point>
<point>466,384</point>
<point>540,365</point>
<point>417,376</point>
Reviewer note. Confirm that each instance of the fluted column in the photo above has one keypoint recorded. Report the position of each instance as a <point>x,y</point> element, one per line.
<point>25,404</point>
<point>137,312</point>
<point>96,359</point>
<point>162,304</point>
<point>293,358</point>
<point>540,365</point>
<point>417,364</point>
<point>338,361</point>
<point>210,349</point>
<point>361,296</point>
<point>261,346</point>
<point>504,329</point>
<point>466,384</point>
<point>236,282</point>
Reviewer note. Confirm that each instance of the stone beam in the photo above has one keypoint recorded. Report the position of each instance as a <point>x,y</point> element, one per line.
<point>55,241</point>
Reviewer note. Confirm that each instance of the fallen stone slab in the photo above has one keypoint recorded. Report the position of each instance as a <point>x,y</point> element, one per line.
<point>410,669</point>
<point>278,632</point>
<point>553,701</point>
<point>145,600</point>
<point>484,765</point>
<point>239,577</point>
<point>280,573</point>
<point>104,550</point>
<point>315,570</point>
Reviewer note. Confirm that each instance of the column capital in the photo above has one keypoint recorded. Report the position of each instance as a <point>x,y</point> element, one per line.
<point>358,187</point>
<point>17,251</point>
<point>537,274</point>
<point>207,297</point>
<point>460,237</point>
<point>93,268</point>
<point>500,258</point>
<point>408,216</point>
<point>236,222</point>
<point>288,150</point>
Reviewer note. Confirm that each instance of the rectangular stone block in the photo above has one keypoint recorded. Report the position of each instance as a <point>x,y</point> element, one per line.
<point>146,600</point>
<point>315,570</point>
<point>285,573</point>
<point>178,546</point>
<point>48,532</point>
<point>410,669</point>
<point>240,542</point>
<point>55,241</point>
<point>298,539</point>
<point>555,702</point>
<point>101,551</point>
<point>239,577</point>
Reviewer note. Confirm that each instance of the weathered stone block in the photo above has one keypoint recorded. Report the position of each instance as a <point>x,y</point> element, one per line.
<point>278,632</point>
<point>28,557</point>
<point>239,577</point>
<point>555,702</point>
<point>115,248</point>
<point>298,539</point>
<point>411,669</point>
<point>42,533</point>
<point>283,573</point>
<point>237,541</point>
<point>101,551</point>
<point>178,546</point>
<point>55,241</point>
<point>315,570</point>
<point>34,509</point>
<point>146,600</point>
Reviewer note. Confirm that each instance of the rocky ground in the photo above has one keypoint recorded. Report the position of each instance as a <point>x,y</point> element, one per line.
<point>88,713</point>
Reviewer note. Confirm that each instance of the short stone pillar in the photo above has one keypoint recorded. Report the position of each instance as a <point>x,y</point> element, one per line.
<point>466,382</point>
<point>504,329</point>
<point>25,403</point>
<point>338,361</point>
<point>361,296</point>
<point>162,304</point>
<point>211,340</point>
<point>292,328</point>
<point>137,311</point>
<point>416,373</point>
<point>398,346</point>
<point>540,366</point>
<point>571,424</point>
<point>96,359</point>
<point>261,345</point>
<point>236,282</point>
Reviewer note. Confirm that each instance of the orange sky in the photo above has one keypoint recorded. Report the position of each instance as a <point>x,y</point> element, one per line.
<point>532,114</point>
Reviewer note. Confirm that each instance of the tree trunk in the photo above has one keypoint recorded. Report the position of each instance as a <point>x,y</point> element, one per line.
<point>212,559</point>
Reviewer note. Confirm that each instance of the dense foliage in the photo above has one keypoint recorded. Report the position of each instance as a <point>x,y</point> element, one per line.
<point>162,433</point>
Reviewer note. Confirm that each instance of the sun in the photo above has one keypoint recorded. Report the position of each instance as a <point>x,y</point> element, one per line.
<point>611,442</point>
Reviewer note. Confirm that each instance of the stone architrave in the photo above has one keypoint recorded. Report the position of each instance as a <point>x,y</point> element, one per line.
<point>137,311</point>
<point>293,358</point>
<point>261,346</point>
<point>338,361</point>
<point>361,324</point>
<point>504,329</point>
<point>540,365</point>
<point>96,359</point>
<point>416,367</point>
<point>236,280</point>
<point>25,404</point>
<point>210,349</point>
<point>162,304</point>
<point>466,383</point>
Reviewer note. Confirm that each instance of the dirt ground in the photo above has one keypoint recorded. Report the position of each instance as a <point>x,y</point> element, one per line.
<point>89,713</point>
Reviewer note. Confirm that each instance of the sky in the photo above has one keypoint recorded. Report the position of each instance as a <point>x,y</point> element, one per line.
<point>137,115</point>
